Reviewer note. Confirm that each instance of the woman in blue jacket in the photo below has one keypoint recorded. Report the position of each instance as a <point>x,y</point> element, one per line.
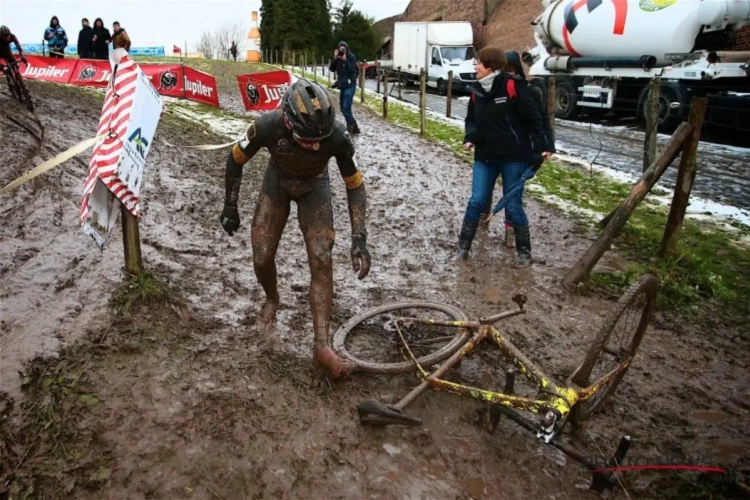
<point>505,128</point>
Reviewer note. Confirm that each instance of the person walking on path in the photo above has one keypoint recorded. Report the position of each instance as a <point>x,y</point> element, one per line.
<point>504,127</point>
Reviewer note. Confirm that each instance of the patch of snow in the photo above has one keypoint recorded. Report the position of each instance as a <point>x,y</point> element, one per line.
<point>227,126</point>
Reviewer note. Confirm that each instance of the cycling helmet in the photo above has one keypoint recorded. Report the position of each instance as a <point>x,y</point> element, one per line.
<point>309,111</point>
<point>4,31</point>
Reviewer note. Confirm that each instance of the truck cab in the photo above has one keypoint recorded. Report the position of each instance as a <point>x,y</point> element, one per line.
<point>459,59</point>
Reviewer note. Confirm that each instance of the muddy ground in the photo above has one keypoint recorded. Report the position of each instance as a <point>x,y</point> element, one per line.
<point>178,397</point>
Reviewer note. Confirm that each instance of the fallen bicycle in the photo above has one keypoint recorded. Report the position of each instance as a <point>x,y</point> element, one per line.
<point>576,401</point>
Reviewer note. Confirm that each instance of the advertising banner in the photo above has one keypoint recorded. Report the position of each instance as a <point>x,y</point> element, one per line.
<point>49,69</point>
<point>200,87</point>
<point>167,79</point>
<point>263,91</point>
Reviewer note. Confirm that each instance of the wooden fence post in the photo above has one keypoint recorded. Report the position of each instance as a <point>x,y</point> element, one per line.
<point>385,93</point>
<point>329,76</point>
<point>685,178</point>
<point>362,84</point>
<point>551,100</point>
<point>652,122</point>
<point>399,83</point>
<point>422,101</point>
<point>131,242</point>
<point>378,77</point>
<point>449,95</point>
<point>581,269</point>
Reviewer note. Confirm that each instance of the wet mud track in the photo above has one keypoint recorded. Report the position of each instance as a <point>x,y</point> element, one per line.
<point>723,173</point>
<point>206,408</point>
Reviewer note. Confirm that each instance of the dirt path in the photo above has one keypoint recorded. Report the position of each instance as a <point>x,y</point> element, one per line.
<point>184,401</point>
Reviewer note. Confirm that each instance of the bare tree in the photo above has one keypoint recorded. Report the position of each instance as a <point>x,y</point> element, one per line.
<point>225,34</point>
<point>207,45</point>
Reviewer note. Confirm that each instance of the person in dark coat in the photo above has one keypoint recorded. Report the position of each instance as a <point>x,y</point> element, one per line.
<point>505,130</point>
<point>344,64</point>
<point>86,40</point>
<point>515,67</point>
<point>101,39</point>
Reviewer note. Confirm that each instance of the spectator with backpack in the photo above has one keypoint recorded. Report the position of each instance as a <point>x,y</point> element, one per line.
<point>515,67</point>
<point>504,127</point>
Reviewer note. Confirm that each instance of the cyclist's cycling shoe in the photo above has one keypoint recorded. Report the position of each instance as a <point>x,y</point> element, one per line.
<point>377,414</point>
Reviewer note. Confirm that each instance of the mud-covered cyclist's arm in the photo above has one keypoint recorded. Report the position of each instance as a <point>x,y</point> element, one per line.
<point>241,153</point>
<point>357,201</point>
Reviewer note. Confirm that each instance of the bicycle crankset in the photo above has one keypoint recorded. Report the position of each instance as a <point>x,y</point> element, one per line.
<point>376,414</point>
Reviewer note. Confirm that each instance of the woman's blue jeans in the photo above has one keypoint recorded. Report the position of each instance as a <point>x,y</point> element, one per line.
<point>482,183</point>
<point>346,98</point>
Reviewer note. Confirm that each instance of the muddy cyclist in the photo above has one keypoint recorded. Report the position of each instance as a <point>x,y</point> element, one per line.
<point>301,138</point>
<point>6,38</point>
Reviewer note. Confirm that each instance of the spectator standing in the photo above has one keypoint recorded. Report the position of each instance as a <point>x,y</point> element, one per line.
<point>507,135</point>
<point>515,67</point>
<point>101,39</point>
<point>120,38</point>
<point>86,40</point>
<point>56,38</point>
<point>233,51</point>
<point>344,63</point>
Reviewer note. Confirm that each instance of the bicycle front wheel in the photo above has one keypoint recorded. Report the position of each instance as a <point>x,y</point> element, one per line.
<point>12,86</point>
<point>614,348</point>
<point>24,91</point>
<point>375,333</point>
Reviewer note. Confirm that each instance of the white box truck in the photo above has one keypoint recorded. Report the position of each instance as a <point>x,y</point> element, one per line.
<point>438,47</point>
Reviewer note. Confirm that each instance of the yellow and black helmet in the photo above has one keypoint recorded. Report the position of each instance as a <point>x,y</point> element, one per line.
<point>309,110</point>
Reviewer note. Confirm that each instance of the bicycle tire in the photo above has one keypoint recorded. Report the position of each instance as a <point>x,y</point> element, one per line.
<point>24,90</point>
<point>646,285</point>
<point>339,338</point>
<point>12,85</point>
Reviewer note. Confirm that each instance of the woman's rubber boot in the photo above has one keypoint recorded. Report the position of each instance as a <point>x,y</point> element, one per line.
<point>468,230</point>
<point>356,128</point>
<point>523,246</point>
<point>510,235</point>
<point>350,128</point>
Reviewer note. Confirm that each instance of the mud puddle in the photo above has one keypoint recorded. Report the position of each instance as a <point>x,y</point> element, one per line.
<point>221,413</point>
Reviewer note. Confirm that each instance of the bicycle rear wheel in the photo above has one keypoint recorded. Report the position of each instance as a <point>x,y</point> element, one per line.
<point>24,91</point>
<point>634,309</point>
<point>421,338</point>
<point>12,85</point>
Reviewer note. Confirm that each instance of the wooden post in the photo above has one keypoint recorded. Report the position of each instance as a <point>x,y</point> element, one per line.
<point>685,178</point>
<point>131,241</point>
<point>422,101</point>
<point>586,263</point>
<point>449,95</point>
<point>329,76</point>
<point>399,82</point>
<point>283,59</point>
<point>385,94</point>
<point>652,122</point>
<point>551,98</point>
<point>377,81</point>
<point>301,61</point>
<point>362,84</point>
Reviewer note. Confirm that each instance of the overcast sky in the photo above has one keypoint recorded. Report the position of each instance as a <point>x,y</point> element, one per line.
<point>150,22</point>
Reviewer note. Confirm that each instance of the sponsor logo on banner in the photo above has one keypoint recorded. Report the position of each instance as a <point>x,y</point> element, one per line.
<point>38,48</point>
<point>263,91</point>
<point>140,143</point>
<point>168,80</point>
<point>86,74</point>
<point>49,69</point>
<point>200,87</point>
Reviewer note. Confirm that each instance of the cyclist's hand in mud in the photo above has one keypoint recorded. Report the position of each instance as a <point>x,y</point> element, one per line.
<point>360,257</point>
<point>230,218</point>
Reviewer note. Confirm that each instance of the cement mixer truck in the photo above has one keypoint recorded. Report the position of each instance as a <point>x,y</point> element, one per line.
<point>604,53</point>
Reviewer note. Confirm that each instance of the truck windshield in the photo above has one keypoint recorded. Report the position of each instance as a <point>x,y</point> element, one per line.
<point>457,54</point>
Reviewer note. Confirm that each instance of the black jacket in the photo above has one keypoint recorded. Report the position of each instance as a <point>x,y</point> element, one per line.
<point>502,129</point>
<point>85,44</point>
<point>103,39</point>
<point>539,94</point>
<point>346,71</point>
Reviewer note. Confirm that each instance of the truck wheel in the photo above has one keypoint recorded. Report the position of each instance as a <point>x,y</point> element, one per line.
<point>669,118</point>
<point>442,87</point>
<point>566,101</point>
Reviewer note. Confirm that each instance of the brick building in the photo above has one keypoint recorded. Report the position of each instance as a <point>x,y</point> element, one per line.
<point>504,23</point>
